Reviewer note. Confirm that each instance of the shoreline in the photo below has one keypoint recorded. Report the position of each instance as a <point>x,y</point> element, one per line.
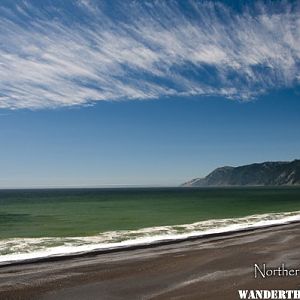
<point>206,268</point>
<point>152,244</point>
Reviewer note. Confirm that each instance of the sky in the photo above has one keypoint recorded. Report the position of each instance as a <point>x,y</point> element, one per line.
<point>109,93</point>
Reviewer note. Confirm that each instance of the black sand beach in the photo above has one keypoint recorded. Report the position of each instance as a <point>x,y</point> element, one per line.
<point>212,268</point>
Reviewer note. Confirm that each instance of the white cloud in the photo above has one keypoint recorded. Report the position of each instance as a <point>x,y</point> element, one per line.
<point>49,58</point>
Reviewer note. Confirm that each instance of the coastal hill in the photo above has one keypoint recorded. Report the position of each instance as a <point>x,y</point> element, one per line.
<point>258,174</point>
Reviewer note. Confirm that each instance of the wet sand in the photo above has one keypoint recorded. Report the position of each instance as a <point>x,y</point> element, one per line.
<point>210,268</point>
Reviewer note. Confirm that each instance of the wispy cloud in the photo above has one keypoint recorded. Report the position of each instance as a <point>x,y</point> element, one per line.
<point>75,54</point>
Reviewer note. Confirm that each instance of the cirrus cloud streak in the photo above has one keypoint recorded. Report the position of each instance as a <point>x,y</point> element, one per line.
<point>54,55</point>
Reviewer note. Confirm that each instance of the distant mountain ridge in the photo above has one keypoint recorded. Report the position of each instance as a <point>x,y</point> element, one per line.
<point>257,174</point>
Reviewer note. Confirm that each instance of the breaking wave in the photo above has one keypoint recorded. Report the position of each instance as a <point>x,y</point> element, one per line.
<point>15,250</point>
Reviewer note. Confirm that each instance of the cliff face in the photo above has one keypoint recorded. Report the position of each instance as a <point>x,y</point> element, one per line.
<point>264,174</point>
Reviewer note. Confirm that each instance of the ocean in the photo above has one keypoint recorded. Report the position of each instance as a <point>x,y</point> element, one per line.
<point>55,222</point>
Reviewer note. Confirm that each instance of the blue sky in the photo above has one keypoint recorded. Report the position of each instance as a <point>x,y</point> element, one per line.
<point>94,93</point>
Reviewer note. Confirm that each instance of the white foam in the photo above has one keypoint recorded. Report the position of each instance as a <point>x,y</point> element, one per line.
<point>24,249</point>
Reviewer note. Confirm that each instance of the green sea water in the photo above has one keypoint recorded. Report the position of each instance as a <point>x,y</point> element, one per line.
<point>88,212</point>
